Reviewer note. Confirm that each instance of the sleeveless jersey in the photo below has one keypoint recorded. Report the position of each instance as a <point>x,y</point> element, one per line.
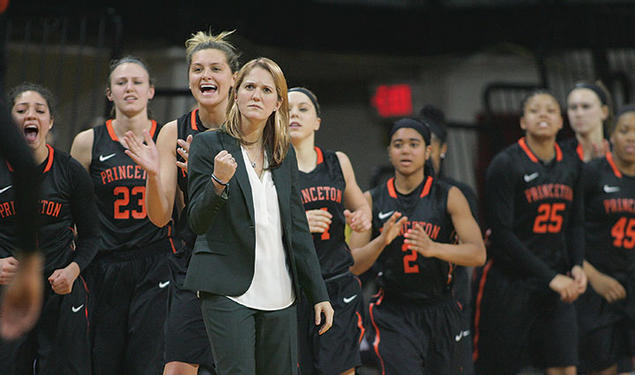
<point>403,271</point>
<point>188,124</point>
<point>120,192</point>
<point>609,198</point>
<point>322,189</point>
<point>542,198</point>
<point>56,233</point>
<point>572,147</point>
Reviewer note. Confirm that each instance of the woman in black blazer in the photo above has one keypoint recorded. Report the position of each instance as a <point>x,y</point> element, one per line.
<point>254,250</point>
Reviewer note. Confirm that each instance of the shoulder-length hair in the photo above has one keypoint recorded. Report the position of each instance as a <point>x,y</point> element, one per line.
<point>276,134</point>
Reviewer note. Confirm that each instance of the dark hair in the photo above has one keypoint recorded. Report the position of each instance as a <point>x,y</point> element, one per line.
<point>626,108</point>
<point>310,95</point>
<point>421,128</point>
<point>412,123</point>
<point>29,86</point>
<point>206,40</point>
<point>435,119</point>
<point>536,92</point>
<point>598,88</point>
<point>604,96</point>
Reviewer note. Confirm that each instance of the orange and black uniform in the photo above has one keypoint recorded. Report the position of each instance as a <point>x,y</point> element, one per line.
<point>185,336</point>
<point>607,330</point>
<point>535,215</point>
<point>337,350</point>
<point>59,343</point>
<point>571,146</point>
<point>130,274</point>
<point>416,321</point>
<point>463,275</point>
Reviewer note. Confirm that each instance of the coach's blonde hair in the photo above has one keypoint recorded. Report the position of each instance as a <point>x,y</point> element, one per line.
<point>275,135</point>
<point>206,40</point>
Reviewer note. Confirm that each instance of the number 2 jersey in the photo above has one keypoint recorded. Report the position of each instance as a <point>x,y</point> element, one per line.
<point>120,187</point>
<point>322,189</point>
<point>404,272</point>
<point>66,200</point>
<point>535,213</point>
<point>609,204</point>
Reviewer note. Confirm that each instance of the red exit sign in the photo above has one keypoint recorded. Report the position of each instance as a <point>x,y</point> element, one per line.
<point>393,100</point>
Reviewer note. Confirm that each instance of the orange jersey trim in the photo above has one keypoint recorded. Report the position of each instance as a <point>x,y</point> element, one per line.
<point>153,128</point>
<point>113,135</point>
<point>426,188</point>
<point>320,156</point>
<point>558,152</point>
<point>477,313</point>
<point>360,325</point>
<point>580,152</point>
<point>193,119</point>
<point>377,334</point>
<point>111,131</point>
<point>523,144</point>
<point>616,171</point>
<point>391,187</point>
<point>49,162</point>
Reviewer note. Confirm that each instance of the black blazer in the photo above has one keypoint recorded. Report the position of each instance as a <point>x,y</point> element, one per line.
<point>223,256</point>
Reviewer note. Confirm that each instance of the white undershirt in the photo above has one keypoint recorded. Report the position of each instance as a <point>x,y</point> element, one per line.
<point>271,287</point>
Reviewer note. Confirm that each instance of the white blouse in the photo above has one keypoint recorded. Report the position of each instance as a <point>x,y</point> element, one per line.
<point>271,287</point>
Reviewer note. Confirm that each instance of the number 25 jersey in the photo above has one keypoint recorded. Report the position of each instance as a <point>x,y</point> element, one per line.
<point>531,207</point>
<point>120,188</point>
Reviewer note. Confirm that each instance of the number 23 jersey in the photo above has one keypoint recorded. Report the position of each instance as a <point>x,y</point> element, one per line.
<point>403,271</point>
<point>120,188</point>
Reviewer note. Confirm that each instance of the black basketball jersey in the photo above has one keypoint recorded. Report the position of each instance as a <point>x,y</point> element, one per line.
<point>322,189</point>
<point>534,201</point>
<point>188,124</point>
<point>403,271</point>
<point>120,187</point>
<point>572,147</point>
<point>60,181</point>
<point>609,198</point>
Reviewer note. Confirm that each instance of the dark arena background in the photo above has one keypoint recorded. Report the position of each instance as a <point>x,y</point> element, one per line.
<point>369,61</point>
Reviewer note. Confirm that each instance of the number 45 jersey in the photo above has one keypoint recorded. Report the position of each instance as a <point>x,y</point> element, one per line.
<point>531,206</point>
<point>609,198</point>
<point>120,188</point>
<point>402,271</point>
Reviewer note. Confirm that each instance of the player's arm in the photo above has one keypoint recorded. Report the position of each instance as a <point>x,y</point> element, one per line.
<point>500,187</point>
<point>85,217</point>
<point>206,195</point>
<point>22,300</point>
<point>25,181</point>
<point>159,162</point>
<point>357,213</point>
<point>471,250</point>
<point>366,251</point>
<point>82,148</point>
<point>574,232</point>
<point>606,286</point>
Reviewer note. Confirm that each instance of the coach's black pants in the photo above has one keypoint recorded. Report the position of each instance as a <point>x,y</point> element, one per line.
<point>249,342</point>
